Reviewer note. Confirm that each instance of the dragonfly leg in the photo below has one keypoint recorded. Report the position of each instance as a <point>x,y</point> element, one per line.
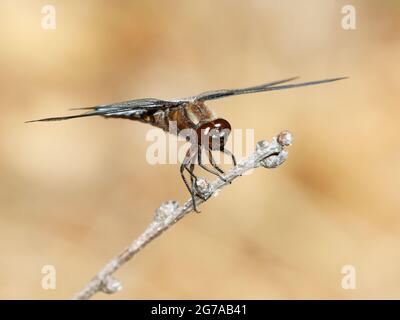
<point>202,165</point>
<point>194,179</point>
<point>182,169</point>
<point>226,151</point>
<point>213,163</point>
<point>184,166</point>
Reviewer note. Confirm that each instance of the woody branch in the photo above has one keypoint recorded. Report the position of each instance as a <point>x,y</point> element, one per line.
<point>268,154</point>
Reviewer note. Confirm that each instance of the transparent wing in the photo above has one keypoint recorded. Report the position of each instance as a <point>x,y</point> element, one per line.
<point>218,94</point>
<point>134,108</point>
<point>125,109</point>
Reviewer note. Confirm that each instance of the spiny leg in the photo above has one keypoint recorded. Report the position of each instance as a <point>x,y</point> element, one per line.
<point>186,161</point>
<point>193,180</point>
<point>182,168</point>
<point>226,151</point>
<point>191,169</point>
<point>210,157</point>
<point>202,165</point>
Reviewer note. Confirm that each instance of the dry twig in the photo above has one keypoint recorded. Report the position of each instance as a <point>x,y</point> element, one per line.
<point>268,154</point>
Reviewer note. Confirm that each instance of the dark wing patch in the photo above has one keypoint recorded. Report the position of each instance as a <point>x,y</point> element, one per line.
<point>125,109</point>
<point>218,94</point>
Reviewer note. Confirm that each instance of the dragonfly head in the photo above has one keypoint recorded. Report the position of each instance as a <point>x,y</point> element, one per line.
<point>214,134</point>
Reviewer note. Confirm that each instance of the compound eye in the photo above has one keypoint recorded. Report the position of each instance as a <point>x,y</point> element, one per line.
<point>214,134</point>
<point>219,134</point>
<point>221,129</point>
<point>221,124</point>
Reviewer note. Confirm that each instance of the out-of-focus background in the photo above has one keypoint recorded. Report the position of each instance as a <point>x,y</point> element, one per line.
<point>73,194</point>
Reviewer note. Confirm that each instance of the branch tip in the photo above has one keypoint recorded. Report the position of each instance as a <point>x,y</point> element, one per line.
<point>269,154</point>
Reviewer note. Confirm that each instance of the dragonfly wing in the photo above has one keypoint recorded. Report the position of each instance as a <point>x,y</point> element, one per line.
<point>275,85</point>
<point>126,109</point>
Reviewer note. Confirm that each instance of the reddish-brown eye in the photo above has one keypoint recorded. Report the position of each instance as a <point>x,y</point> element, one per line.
<point>221,124</point>
<point>214,134</point>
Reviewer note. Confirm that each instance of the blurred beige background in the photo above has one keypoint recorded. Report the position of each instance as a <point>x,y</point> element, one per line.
<point>73,194</point>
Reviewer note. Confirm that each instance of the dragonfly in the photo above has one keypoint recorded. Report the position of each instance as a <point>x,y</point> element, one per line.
<point>210,131</point>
